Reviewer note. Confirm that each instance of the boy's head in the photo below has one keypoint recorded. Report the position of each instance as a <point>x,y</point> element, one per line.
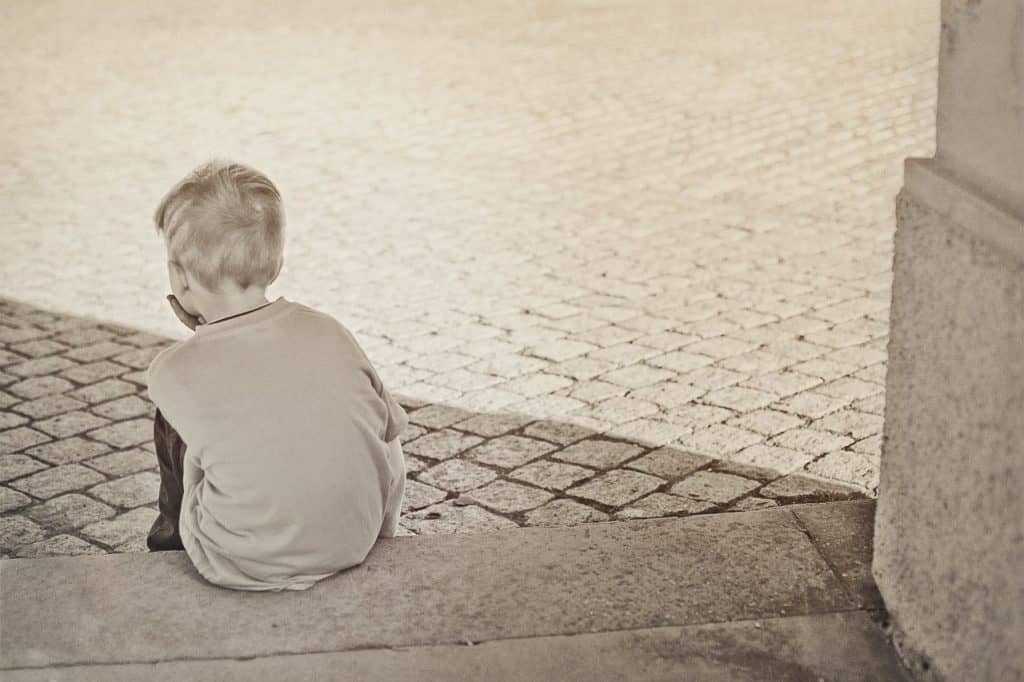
<point>223,225</point>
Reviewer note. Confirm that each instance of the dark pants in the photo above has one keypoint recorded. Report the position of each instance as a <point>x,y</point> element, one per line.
<point>170,453</point>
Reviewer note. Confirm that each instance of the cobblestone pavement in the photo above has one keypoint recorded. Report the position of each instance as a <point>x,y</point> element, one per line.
<point>627,259</point>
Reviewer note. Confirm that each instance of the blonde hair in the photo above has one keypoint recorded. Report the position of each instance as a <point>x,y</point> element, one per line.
<point>224,221</point>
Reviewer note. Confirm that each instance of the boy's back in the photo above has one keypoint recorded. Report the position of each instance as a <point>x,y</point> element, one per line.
<point>287,470</point>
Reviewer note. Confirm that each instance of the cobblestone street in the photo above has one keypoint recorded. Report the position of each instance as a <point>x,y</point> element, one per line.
<point>618,260</point>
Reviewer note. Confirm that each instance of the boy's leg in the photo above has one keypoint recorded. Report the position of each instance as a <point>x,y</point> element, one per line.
<point>393,508</point>
<point>170,453</point>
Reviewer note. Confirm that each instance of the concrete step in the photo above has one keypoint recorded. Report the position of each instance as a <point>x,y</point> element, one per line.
<point>777,594</point>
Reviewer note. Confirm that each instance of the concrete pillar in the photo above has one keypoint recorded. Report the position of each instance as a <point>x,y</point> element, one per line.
<point>949,536</point>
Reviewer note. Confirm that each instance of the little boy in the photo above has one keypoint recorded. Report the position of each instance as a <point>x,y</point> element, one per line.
<point>280,463</point>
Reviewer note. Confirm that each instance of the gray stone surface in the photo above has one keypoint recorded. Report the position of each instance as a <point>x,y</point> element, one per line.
<point>523,582</point>
<point>950,523</point>
<point>950,534</point>
<point>845,540</point>
<point>839,647</point>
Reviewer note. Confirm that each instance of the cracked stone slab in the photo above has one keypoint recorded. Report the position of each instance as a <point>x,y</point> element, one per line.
<point>734,567</point>
<point>841,647</point>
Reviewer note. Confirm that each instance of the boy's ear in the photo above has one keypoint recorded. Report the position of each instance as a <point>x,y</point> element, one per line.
<point>178,276</point>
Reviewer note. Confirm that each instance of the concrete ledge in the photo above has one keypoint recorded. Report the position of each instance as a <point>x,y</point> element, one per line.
<point>421,591</point>
<point>953,198</point>
<point>833,646</point>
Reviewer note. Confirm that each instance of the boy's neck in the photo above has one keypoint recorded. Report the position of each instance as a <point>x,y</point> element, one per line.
<point>232,303</point>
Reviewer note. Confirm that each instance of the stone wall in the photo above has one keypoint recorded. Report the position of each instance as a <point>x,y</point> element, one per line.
<point>949,545</point>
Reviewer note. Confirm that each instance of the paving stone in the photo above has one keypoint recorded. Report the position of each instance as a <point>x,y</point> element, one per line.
<point>561,349</point>
<point>771,458</point>
<point>850,467</point>
<point>129,491</point>
<point>509,452</point>
<point>698,416</point>
<point>40,366</point>
<point>37,348</point>
<point>600,454</point>
<point>713,487</point>
<point>549,406</point>
<point>58,545</point>
<point>6,400</point>
<point>593,391</point>
<point>68,450</point>
<point>124,462</point>
<point>551,475</point>
<point>582,369</point>
<point>18,334</point>
<point>48,406</point>
<point>766,422</point>
<point>509,498</point>
<point>648,432</point>
<point>493,424</point>
<point>441,444</point>
<point>412,432</point>
<point>138,358</point>
<point>661,504</point>
<point>92,372</point>
<point>721,347</point>
<point>637,376</point>
<point>718,440</point>
<point>108,389</point>
<point>850,423</point>
<point>536,384</point>
<point>438,416</point>
<point>681,361</point>
<point>824,369</point>
<point>9,420</point>
<point>562,512</point>
<point>619,410</point>
<point>811,441</point>
<point>849,389</point>
<point>873,404</point>
<point>739,399</point>
<point>457,475</point>
<point>557,432</point>
<point>123,408</point>
<point>418,495</point>
<point>70,423</point>
<point>17,531</point>
<point>414,464</point>
<point>810,404</point>
<point>616,488</point>
<point>83,336</point>
<point>755,362</point>
<point>667,341</point>
<point>487,400</point>
<point>669,463</point>
<point>124,434</point>
<point>711,378</point>
<point>800,487</point>
<point>668,394</point>
<point>508,366</point>
<point>19,438</point>
<point>135,377</point>
<point>447,517</point>
<point>869,446</point>
<point>123,528</point>
<point>51,482</point>
<point>96,351</point>
<point>753,504</point>
<point>12,500</point>
<point>68,511</point>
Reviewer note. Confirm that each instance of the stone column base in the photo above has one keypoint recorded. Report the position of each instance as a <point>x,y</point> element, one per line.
<point>949,552</point>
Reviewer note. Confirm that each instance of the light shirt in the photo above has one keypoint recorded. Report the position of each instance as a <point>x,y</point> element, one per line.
<point>287,467</point>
